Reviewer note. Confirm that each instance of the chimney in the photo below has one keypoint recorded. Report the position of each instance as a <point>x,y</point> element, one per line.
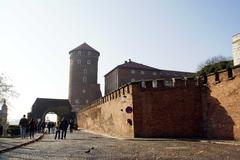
<point>125,62</point>
<point>130,60</point>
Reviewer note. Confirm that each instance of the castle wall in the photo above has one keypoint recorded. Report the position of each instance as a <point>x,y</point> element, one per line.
<point>167,112</point>
<point>170,108</point>
<point>221,106</point>
<point>108,115</point>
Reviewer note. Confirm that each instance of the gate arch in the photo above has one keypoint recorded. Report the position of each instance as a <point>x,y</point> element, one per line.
<point>42,106</point>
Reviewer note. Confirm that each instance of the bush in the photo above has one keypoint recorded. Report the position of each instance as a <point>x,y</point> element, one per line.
<point>13,130</point>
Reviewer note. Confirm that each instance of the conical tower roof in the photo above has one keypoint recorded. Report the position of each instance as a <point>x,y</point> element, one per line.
<point>84,47</point>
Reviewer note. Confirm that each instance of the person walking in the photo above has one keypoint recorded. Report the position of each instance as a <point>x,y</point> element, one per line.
<point>57,134</point>
<point>23,126</point>
<point>49,125</point>
<point>71,123</point>
<point>63,127</point>
<point>43,125</point>
<point>32,127</point>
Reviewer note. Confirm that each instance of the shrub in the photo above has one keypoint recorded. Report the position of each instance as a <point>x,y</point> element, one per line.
<point>13,130</point>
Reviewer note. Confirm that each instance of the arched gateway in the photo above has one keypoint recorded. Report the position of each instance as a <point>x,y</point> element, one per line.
<point>42,106</point>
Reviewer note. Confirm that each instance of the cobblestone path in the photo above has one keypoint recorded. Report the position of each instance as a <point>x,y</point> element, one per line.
<point>82,145</point>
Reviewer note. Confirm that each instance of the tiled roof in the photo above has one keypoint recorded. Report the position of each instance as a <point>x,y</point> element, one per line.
<point>164,73</point>
<point>84,47</point>
<point>135,65</point>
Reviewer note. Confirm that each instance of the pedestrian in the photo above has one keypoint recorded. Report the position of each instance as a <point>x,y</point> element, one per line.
<point>49,127</point>
<point>23,124</point>
<point>71,123</point>
<point>43,126</point>
<point>57,134</point>
<point>32,127</point>
<point>1,130</point>
<point>63,127</point>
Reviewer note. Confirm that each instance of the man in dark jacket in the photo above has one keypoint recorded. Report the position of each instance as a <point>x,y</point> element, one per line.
<point>63,127</point>
<point>23,126</point>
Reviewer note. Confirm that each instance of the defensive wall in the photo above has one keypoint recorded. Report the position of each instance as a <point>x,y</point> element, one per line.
<point>206,107</point>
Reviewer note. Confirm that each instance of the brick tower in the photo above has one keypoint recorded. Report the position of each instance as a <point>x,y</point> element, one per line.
<point>83,86</point>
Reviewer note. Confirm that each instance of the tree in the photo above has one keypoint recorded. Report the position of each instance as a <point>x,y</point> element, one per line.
<point>6,89</point>
<point>214,64</point>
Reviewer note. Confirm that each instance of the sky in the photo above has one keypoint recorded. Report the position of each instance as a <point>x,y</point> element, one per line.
<point>36,37</point>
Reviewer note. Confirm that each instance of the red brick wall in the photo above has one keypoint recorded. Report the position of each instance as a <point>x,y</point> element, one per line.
<point>222,107</point>
<point>172,112</point>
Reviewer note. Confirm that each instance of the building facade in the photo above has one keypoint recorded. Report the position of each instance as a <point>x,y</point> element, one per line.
<point>3,119</point>
<point>131,71</point>
<point>83,86</point>
<point>236,49</point>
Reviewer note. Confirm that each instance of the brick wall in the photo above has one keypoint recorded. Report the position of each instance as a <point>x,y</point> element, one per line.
<point>167,112</point>
<point>221,106</point>
<point>108,115</point>
<point>175,108</point>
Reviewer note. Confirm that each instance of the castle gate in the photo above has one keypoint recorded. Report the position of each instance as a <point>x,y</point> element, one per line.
<point>42,106</point>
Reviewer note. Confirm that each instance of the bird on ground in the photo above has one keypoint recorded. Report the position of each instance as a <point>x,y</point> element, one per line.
<point>88,151</point>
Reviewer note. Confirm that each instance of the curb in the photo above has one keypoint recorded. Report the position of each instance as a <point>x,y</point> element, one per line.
<point>20,145</point>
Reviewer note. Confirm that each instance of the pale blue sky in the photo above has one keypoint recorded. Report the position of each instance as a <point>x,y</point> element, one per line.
<point>36,36</point>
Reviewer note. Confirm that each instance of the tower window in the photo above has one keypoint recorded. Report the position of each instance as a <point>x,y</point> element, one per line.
<point>79,61</point>
<point>88,61</point>
<point>84,79</point>
<point>85,71</point>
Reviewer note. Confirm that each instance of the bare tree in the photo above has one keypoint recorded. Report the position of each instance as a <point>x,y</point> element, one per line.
<point>6,89</point>
<point>214,64</point>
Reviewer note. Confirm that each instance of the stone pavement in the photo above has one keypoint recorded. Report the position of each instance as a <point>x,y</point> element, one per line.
<point>11,143</point>
<point>82,145</point>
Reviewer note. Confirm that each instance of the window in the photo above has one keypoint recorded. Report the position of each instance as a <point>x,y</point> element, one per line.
<point>86,101</point>
<point>132,80</point>
<point>83,91</point>
<point>142,72</point>
<point>79,53</point>
<point>154,73</point>
<point>88,61</point>
<point>85,71</point>
<point>84,79</point>
<point>79,61</point>
<point>133,71</point>
<point>89,53</point>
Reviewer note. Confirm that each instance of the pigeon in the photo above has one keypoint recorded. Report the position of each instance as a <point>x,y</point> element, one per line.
<point>88,151</point>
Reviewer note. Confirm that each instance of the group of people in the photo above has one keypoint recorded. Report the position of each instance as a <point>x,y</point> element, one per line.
<point>61,127</point>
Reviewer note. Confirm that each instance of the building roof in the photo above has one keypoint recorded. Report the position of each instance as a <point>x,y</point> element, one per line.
<point>165,73</point>
<point>84,47</point>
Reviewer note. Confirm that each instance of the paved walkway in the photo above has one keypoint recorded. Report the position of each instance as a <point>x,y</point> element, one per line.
<point>8,143</point>
<point>82,145</point>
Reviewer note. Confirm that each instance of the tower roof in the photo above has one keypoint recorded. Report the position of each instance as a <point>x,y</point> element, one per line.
<point>84,47</point>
